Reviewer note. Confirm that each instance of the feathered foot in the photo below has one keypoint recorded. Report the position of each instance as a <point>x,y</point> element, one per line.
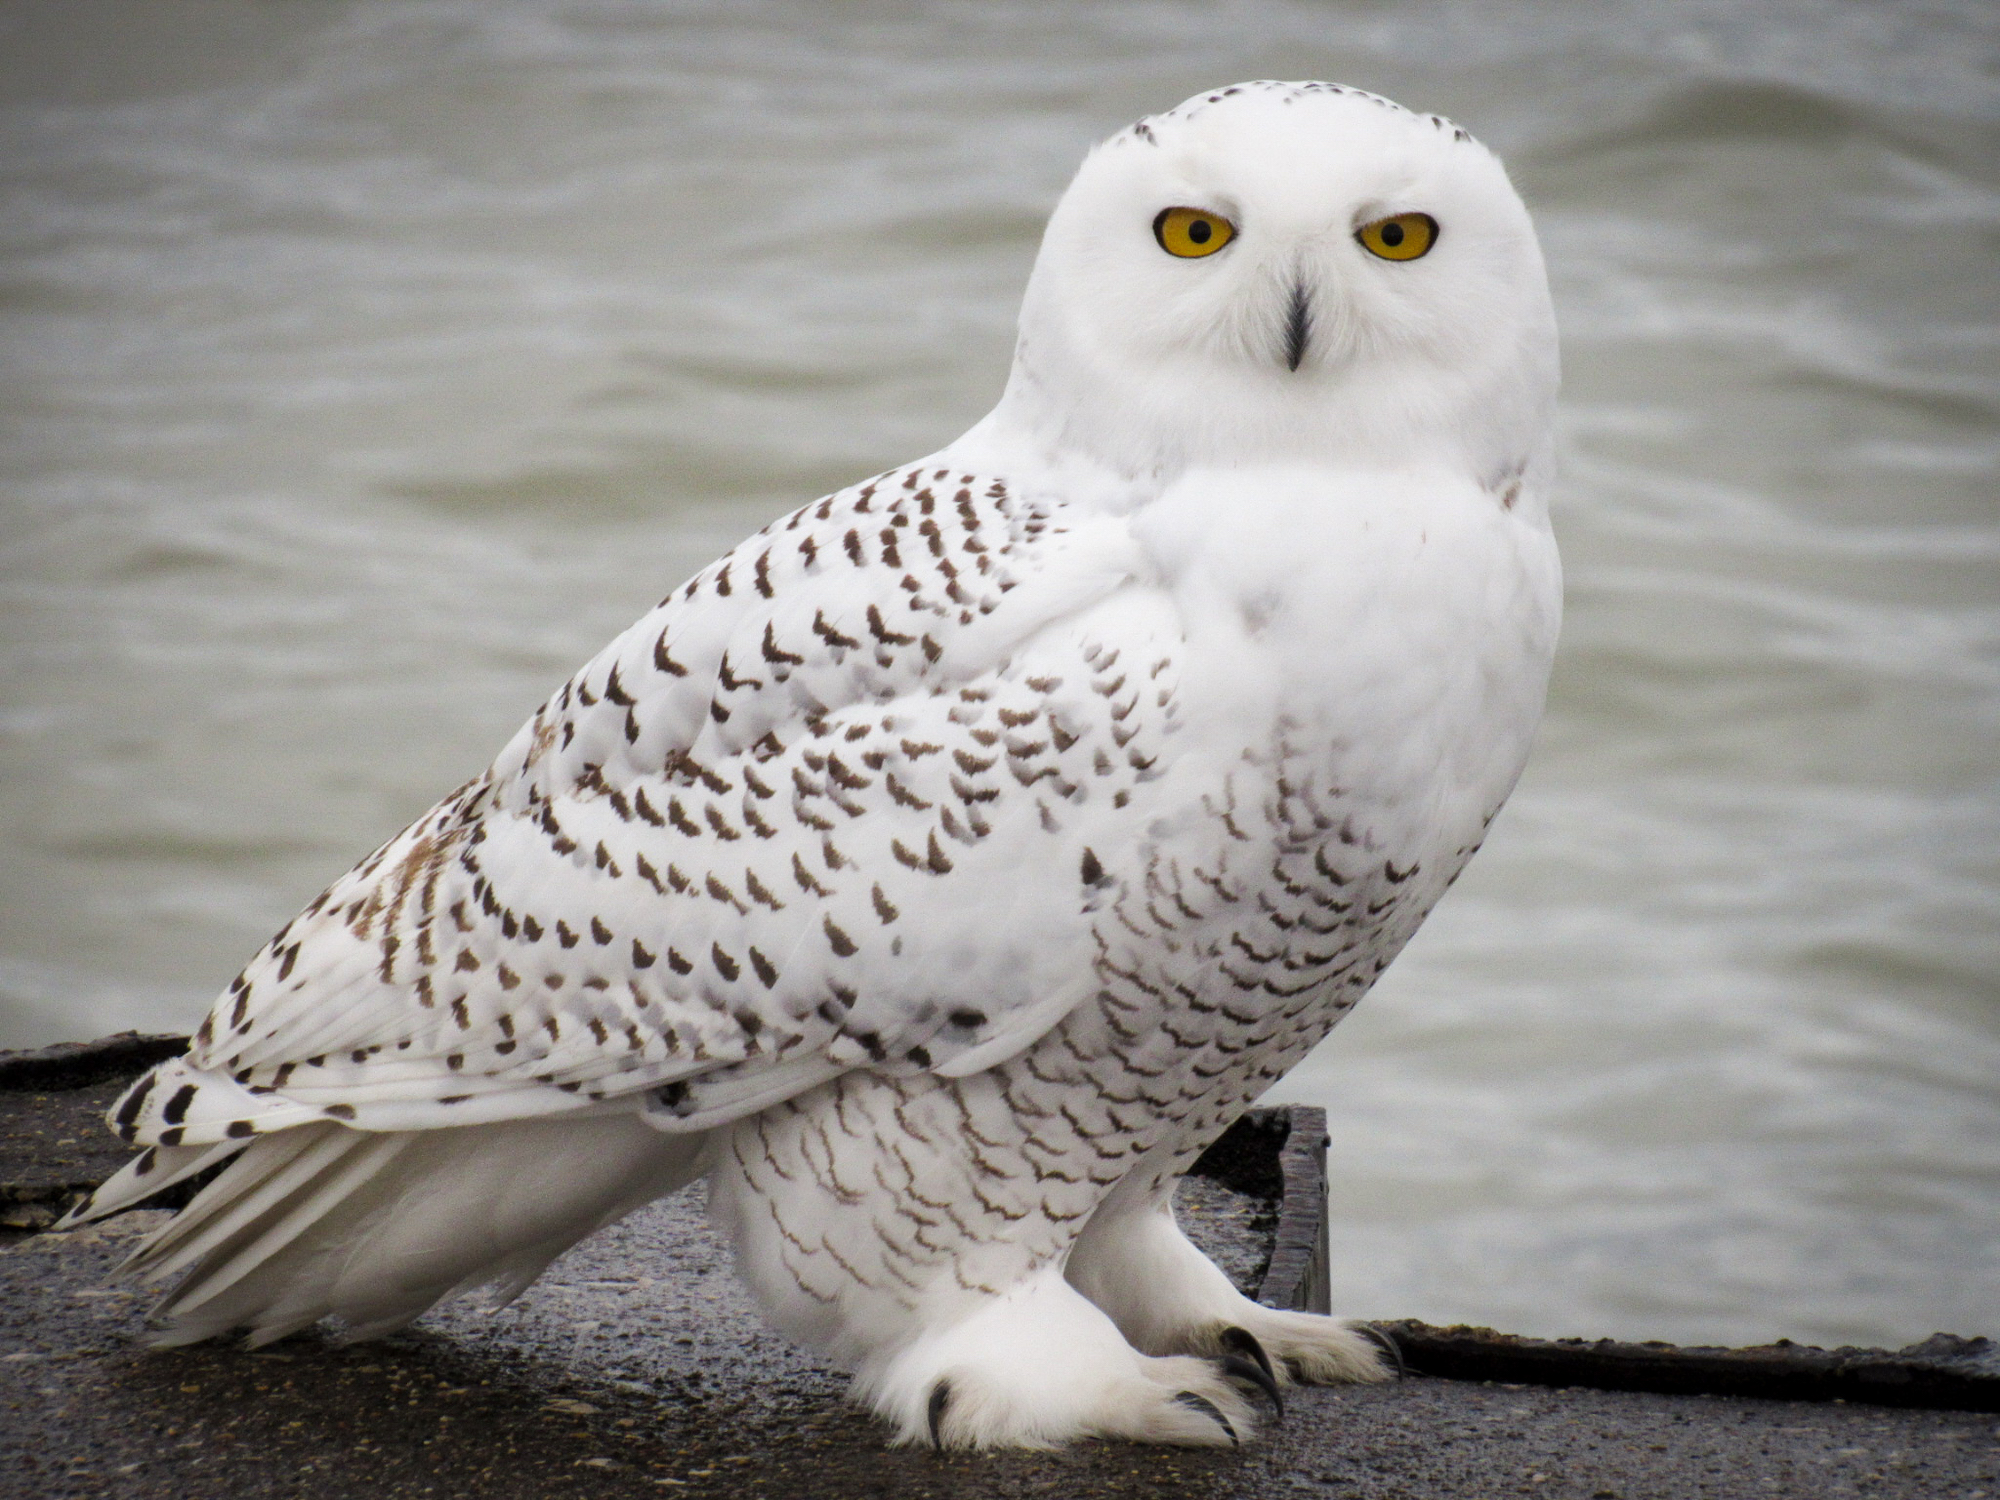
<point>1306,1348</point>
<point>1167,1298</point>
<point>1040,1366</point>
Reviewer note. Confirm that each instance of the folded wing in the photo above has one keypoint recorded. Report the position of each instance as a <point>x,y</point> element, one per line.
<point>830,805</point>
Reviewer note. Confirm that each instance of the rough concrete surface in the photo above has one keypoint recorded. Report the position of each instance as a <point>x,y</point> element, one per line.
<point>639,1367</point>
<point>53,1145</point>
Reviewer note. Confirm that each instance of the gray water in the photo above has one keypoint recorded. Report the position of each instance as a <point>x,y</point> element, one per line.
<point>367,365</point>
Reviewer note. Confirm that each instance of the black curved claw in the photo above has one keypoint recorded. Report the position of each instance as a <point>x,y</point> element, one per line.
<point>940,1399</point>
<point>1236,1367</point>
<point>1209,1409</point>
<point>1242,1341</point>
<point>1388,1343</point>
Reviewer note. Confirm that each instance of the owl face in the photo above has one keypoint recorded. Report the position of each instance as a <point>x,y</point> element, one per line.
<point>1293,270</point>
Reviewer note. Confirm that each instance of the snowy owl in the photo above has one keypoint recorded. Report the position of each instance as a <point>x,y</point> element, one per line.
<point>939,871</point>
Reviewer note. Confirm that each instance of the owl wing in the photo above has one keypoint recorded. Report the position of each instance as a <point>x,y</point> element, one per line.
<point>829,805</point>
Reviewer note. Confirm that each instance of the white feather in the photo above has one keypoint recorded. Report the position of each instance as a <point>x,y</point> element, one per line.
<point>326,1221</point>
<point>940,869</point>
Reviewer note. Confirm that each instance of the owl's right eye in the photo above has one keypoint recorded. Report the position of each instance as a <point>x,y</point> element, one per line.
<point>1192,232</point>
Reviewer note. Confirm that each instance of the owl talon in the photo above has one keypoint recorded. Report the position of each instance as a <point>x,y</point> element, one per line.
<point>1236,1367</point>
<point>934,1412</point>
<point>1209,1409</point>
<point>1242,1341</point>
<point>1388,1344</point>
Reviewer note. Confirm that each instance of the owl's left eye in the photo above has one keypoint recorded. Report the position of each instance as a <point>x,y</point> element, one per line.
<point>1192,232</point>
<point>1401,237</point>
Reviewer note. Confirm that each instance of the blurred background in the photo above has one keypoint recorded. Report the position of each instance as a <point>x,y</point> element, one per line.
<point>364,366</point>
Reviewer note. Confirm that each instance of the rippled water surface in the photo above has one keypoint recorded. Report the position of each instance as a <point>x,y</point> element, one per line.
<point>367,365</point>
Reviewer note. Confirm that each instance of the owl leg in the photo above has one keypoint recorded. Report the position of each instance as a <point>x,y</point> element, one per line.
<point>1038,1366</point>
<point>1166,1297</point>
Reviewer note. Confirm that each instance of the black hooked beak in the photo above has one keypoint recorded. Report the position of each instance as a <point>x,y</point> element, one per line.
<point>1298,326</point>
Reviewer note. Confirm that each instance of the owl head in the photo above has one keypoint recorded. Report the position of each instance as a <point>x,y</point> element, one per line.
<point>1287,272</point>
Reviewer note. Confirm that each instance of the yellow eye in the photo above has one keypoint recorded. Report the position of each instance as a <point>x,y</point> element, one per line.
<point>1192,232</point>
<point>1403,237</point>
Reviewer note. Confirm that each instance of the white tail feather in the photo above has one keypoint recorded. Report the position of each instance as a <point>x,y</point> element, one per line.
<point>259,1206</point>
<point>326,1221</point>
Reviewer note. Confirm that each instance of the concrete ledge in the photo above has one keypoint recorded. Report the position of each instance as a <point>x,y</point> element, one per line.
<point>74,1065</point>
<point>638,1367</point>
<point>53,1149</point>
<point>54,1145</point>
<point>1299,1276</point>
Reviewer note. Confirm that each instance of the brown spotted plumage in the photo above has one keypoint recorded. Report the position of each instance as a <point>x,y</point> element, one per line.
<point>940,870</point>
